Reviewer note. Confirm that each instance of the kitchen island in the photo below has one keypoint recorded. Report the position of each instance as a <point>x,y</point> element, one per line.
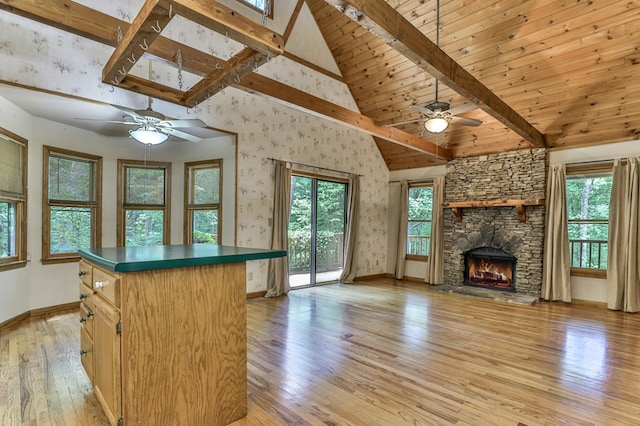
<point>163,334</point>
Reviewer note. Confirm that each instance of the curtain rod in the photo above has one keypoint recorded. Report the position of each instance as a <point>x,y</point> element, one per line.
<point>610,160</point>
<point>313,167</point>
<point>414,180</point>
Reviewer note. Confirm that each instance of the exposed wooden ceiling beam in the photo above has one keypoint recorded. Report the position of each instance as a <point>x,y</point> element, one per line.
<point>80,20</point>
<point>242,63</point>
<point>226,21</point>
<point>286,95</point>
<point>386,23</point>
<point>145,29</point>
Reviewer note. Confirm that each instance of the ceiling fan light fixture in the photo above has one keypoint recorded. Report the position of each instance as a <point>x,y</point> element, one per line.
<point>148,135</point>
<point>436,124</point>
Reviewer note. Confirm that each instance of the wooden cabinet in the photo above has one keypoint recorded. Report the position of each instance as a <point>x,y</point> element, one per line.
<point>168,345</point>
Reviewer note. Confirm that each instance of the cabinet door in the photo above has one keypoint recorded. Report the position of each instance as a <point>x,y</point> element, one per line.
<point>106,356</point>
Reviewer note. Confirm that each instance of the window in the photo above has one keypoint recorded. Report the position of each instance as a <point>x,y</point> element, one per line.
<point>71,217</point>
<point>13,201</point>
<point>420,214</point>
<point>203,187</point>
<point>143,203</point>
<point>588,195</point>
<point>262,6</point>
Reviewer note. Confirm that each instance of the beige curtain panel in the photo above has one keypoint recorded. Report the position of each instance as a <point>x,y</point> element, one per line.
<point>556,283</point>
<point>401,251</point>
<point>353,223</point>
<point>435,265</point>
<point>623,278</point>
<point>278,271</point>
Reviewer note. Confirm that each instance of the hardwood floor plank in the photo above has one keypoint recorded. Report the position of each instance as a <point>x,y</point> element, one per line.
<point>380,352</point>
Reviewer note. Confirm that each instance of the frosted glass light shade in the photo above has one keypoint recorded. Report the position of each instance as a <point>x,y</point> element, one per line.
<point>148,136</point>
<point>436,125</point>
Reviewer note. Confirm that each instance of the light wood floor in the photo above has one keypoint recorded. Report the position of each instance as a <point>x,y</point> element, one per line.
<point>377,353</point>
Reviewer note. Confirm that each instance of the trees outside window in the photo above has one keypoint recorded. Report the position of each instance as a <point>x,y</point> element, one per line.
<point>202,204</point>
<point>13,200</point>
<point>420,215</point>
<point>143,203</point>
<point>71,204</point>
<point>588,197</point>
<point>262,6</point>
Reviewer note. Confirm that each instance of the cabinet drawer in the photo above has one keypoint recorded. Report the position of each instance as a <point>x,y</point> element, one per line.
<point>86,353</point>
<point>107,285</point>
<point>84,272</point>
<point>86,296</point>
<point>86,319</point>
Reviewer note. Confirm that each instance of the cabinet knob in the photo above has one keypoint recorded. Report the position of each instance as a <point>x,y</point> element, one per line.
<point>82,319</point>
<point>82,352</point>
<point>89,314</point>
<point>83,296</point>
<point>81,273</point>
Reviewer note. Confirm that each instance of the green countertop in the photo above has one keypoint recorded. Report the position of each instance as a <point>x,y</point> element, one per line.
<point>130,259</point>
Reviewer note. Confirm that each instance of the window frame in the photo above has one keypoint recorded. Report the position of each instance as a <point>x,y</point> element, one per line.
<point>257,9</point>
<point>190,207</point>
<point>419,184</point>
<point>95,206</point>
<point>20,258</point>
<point>599,169</point>
<point>123,207</point>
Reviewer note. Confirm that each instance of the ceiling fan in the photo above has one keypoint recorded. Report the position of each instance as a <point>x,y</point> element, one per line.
<point>153,127</point>
<point>440,114</point>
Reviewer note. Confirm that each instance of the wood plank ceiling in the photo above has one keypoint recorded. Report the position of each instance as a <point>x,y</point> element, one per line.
<point>542,73</point>
<point>568,68</point>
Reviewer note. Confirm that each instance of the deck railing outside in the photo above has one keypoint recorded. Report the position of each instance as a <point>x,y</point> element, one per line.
<point>418,245</point>
<point>588,253</point>
<point>329,257</point>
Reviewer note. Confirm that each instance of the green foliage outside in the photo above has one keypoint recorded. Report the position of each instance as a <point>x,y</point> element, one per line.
<point>144,186</point>
<point>7,229</point>
<point>420,214</point>
<point>588,210</point>
<point>205,226</point>
<point>144,227</point>
<point>330,219</point>
<point>206,186</point>
<point>70,229</point>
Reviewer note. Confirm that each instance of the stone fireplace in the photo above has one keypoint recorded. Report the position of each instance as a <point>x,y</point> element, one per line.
<point>496,221</point>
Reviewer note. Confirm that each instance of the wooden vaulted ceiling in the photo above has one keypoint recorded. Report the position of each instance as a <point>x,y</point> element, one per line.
<point>542,73</point>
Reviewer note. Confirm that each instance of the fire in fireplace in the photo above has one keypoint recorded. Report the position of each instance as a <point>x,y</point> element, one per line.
<point>490,268</point>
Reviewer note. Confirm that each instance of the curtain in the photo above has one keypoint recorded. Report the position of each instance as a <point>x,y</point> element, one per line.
<point>435,265</point>
<point>556,283</point>
<point>623,278</point>
<point>350,233</point>
<point>401,251</point>
<point>278,271</point>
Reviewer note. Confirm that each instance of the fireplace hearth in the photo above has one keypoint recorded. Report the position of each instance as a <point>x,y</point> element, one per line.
<point>490,267</point>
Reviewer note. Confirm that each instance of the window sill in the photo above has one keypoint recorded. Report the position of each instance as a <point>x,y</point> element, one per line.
<point>13,265</point>
<point>54,260</point>
<point>589,273</point>
<point>416,258</point>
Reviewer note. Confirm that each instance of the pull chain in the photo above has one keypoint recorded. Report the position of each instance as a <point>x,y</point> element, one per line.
<point>179,59</point>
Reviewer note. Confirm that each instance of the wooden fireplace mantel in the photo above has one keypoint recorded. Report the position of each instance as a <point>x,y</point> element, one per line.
<point>520,205</point>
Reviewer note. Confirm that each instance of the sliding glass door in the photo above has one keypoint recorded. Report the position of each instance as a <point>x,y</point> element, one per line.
<point>316,230</point>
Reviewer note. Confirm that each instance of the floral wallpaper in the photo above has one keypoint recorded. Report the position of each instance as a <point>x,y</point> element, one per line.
<point>36,55</point>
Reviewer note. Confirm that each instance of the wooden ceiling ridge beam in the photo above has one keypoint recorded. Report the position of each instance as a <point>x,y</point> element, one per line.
<point>382,20</point>
<point>286,95</point>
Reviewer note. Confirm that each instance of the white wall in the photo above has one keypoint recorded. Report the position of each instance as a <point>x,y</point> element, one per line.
<point>583,288</point>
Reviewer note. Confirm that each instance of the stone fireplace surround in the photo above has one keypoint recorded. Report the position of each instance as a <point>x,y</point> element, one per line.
<point>511,175</point>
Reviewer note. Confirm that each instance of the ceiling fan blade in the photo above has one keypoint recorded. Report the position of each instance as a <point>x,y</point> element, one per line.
<point>422,109</point>
<point>466,121</point>
<point>131,123</point>
<point>178,134</point>
<point>461,109</point>
<point>129,111</point>
<point>192,122</point>
<point>404,122</point>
